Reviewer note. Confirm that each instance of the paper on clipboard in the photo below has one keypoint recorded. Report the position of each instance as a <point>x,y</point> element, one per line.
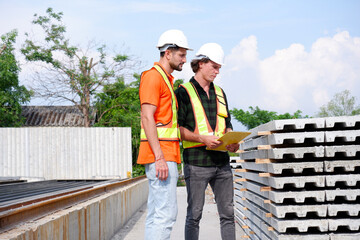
<point>229,138</point>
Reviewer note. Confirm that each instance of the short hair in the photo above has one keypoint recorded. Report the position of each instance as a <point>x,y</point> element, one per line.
<point>173,49</point>
<point>195,63</point>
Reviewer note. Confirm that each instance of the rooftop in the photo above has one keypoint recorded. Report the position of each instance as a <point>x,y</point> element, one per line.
<point>54,116</point>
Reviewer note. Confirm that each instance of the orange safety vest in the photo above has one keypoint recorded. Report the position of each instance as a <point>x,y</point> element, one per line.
<point>169,131</point>
<point>202,125</point>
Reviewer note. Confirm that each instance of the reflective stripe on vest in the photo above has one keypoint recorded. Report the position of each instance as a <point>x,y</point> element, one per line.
<point>169,131</point>
<point>202,125</point>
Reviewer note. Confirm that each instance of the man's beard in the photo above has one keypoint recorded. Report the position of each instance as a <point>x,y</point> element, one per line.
<point>176,67</point>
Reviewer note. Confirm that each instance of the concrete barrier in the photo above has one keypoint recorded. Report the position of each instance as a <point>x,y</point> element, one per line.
<point>97,218</point>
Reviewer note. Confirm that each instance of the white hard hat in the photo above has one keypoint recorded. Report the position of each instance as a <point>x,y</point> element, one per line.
<point>172,37</point>
<point>213,51</point>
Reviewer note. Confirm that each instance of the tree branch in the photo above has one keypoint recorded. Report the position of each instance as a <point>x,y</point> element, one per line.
<point>107,110</point>
<point>2,49</point>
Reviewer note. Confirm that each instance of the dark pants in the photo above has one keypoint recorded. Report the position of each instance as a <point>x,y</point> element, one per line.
<point>221,182</point>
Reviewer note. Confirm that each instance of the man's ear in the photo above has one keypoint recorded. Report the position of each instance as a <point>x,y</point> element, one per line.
<point>168,54</point>
<point>201,63</point>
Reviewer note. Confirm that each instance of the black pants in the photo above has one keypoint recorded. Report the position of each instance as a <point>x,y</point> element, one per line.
<point>221,182</point>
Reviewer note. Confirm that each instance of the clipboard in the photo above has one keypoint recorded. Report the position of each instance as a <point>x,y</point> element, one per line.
<point>229,138</point>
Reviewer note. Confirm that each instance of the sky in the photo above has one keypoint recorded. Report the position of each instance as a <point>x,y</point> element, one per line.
<point>280,55</point>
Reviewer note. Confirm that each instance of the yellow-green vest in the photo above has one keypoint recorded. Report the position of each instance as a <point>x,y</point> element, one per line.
<point>202,125</point>
<point>169,131</point>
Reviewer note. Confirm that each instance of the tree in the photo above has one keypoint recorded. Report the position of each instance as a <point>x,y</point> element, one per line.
<point>119,106</point>
<point>11,94</point>
<point>71,74</point>
<point>177,83</point>
<point>342,104</point>
<point>256,116</point>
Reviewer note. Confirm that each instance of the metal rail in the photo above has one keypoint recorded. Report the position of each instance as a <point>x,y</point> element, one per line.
<point>49,199</point>
<point>26,193</point>
<point>7,180</point>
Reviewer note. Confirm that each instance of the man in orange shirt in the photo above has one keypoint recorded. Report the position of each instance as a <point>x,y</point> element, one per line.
<point>159,146</point>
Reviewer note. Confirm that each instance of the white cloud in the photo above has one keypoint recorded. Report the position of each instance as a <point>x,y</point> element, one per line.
<point>240,78</point>
<point>245,51</point>
<point>293,78</point>
<point>321,97</point>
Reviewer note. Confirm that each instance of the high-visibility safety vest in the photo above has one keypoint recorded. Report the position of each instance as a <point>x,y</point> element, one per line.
<point>169,131</point>
<point>202,125</point>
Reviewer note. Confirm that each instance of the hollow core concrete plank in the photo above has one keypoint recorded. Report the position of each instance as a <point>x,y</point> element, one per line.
<point>339,136</point>
<point>351,223</point>
<point>342,121</point>
<point>351,209</point>
<point>280,182</point>
<point>348,194</point>
<point>277,236</point>
<point>280,196</point>
<point>348,179</point>
<point>280,153</point>
<point>290,138</point>
<point>347,150</point>
<point>344,236</point>
<point>280,210</point>
<point>255,223</point>
<point>288,125</point>
<point>281,225</point>
<point>278,168</point>
<point>346,165</point>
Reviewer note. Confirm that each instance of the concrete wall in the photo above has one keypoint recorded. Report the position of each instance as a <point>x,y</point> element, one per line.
<point>65,153</point>
<point>99,218</point>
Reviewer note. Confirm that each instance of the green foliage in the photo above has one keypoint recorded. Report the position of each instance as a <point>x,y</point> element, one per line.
<point>11,94</point>
<point>121,58</point>
<point>54,40</point>
<point>73,74</point>
<point>177,83</point>
<point>181,181</point>
<point>138,170</point>
<point>119,106</point>
<point>342,104</point>
<point>233,154</point>
<point>256,116</point>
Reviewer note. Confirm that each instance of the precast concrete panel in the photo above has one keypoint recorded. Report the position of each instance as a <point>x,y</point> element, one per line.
<point>342,121</point>
<point>301,175</point>
<point>289,125</point>
<point>342,136</point>
<point>344,236</point>
<point>281,153</point>
<point>345,165</point>
<point>278,168</point>
<point>351,209</point>
<point>45,153</point>
<point>346,150</point>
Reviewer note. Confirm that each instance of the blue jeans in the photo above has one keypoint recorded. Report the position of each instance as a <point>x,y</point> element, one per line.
<point>221,182</point>
<point>162,203</point>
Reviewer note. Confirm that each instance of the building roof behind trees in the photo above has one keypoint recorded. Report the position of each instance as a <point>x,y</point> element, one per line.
<point>55,116</point>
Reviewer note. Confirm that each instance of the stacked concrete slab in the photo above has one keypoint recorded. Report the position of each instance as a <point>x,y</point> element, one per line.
<point>300,179</point>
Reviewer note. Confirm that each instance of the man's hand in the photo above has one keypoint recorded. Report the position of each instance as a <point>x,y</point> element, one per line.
<point>232,147</point>
<point>162,170</point>
<point>211,141</point>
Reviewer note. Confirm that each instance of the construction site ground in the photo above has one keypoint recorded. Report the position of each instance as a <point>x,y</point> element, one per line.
<point>209,225</point>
